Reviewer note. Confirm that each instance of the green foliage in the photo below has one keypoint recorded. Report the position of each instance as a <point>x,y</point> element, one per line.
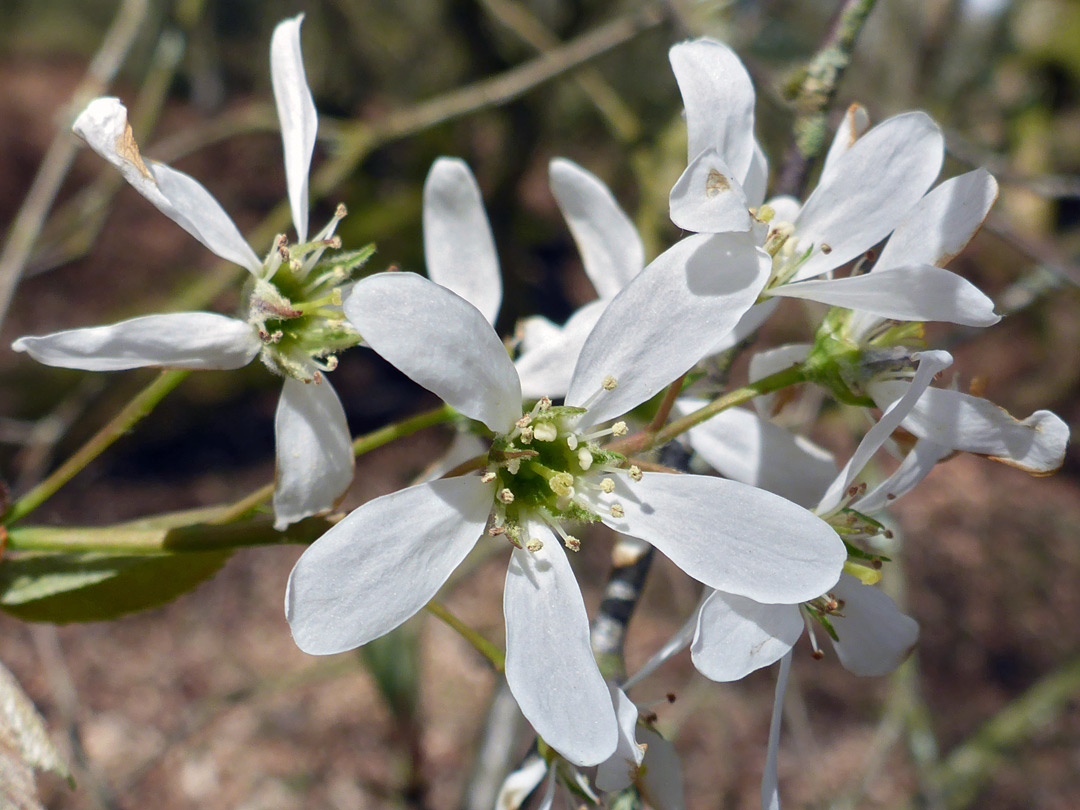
<point>393,661</point>
<point>86,587</point>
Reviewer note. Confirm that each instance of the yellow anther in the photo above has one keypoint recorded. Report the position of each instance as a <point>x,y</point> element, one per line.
<point>607,485</point>
<point>572,543</point>
<point>584,458</point>
<point>534,545</point>
<point>545,432</point>
<point>609,383</point>
<point>635,472</point>
<point>617,511</point>
<point>619,429</point>
<point>506,496</point>
<point>487,477</point>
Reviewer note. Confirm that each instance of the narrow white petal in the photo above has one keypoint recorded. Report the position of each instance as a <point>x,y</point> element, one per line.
<point>296,112</point>
<point>872,188</point>
<point>463,446</point>
<point>854,124</point>
<point>519,784</point>
<point>441,341</point>
<point>707,198</point>
<point>621,768</point>
<point>975,425</point>
<point>719,100</point>
<point>666,319</point>
<point>661,784</point>
<point>545,367</point>
<point>104,127</point>
<point>549,662</point>
<point>895,412</point>
<point>909,293</point>
<point>730,536</point>
<point>942,223</point>
<point>873,636</point>
<point>459,248</point>
<point>383,563</point>
<point>176,340</point>
<point>195,209</point>
<point>916,465</point>
<point>757,177</point>
<point>314,451</point>
<point>770,788</point>
<point>742,446</point>
<point>736,636</point>
<point>611,250</point>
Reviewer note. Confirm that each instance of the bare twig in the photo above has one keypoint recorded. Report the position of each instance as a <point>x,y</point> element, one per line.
<point>619,118</point>
<point>816,91</point>
<point>61,152</point>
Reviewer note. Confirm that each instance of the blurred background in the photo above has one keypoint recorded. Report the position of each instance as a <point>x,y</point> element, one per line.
<point>206,703</point>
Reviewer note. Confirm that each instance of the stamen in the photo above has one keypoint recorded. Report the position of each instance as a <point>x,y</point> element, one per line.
<point>534,544</point>
<point>617,511</point>
<point>584,458</point>
<point>618,429</point>
<point>487,477</point>
<point>609,383</point>
<point>569,540</point>
<point>506,496</point>
<point>635,472</point>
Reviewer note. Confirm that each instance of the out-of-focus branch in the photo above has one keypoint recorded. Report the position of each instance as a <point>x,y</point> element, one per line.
<point>619,118</point>
<point>61,152</point>
<point>815,93</point>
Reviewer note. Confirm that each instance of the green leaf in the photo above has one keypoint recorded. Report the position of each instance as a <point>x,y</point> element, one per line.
<point>394,662</point>
<point>95,586</point>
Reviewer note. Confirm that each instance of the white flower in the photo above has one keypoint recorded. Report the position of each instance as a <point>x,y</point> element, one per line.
<point>387,559</point>
<point>291,318</point>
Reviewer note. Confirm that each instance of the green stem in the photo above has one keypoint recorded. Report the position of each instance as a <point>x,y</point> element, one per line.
<point>647,439</point>
<point>481,644</point>
<point>143,403</point>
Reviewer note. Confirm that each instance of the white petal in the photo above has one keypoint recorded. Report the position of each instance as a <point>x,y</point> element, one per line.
<point>459,248</point>
<point>621,768</point>
<point>441,341</point>
<point>770,789</point>
<point>104,127</point>
<point>549,661</point>
<point>736,636</point>
<point>930,363</point>
<point>872,188</point>
<point>975,425</point>
<point>916,465</point>
<point>874,637</point>
<point>909,293</point>
<point>719,100</point>
<point>196,210</point>
<point>176,340</point>
<point>296,112</point>
<point>730,536</point>
<point>757,177</point>
<point>545,368</point>
<point>519,784</point>
<point>383,563</point>
<point>942,223</point>
<point>611,250</point>
<point>666,319</point>
<point>742,446</point>
<point>707,198</point>
<point>854,124</point>
<point>661,784</point>
<point>314,451</point>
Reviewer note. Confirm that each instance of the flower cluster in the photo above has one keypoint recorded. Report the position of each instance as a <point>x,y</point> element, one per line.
<point>560,437</point>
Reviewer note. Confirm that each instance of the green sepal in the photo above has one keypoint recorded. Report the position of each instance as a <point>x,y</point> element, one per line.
<point>859,554</point>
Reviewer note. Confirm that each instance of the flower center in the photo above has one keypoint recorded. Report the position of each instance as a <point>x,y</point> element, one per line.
<point>548,470</point>
<point>295,303</point>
